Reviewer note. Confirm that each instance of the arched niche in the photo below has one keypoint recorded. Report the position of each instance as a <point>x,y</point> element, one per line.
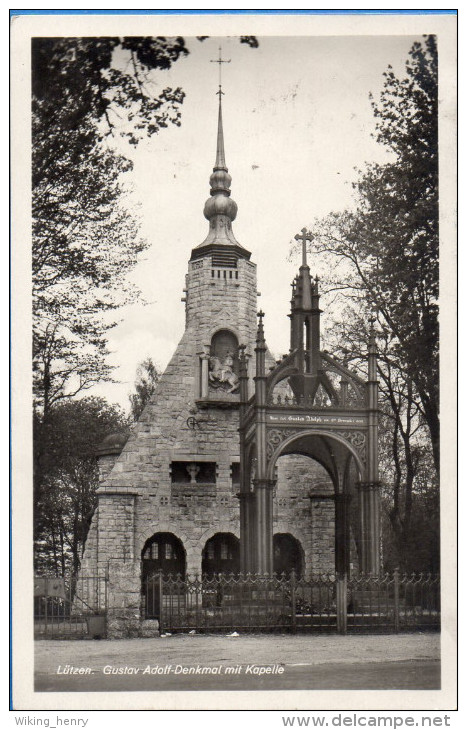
<point>164,552</point>
<point>223,362</point>
<point>221,554</point>
<point>287,555</point>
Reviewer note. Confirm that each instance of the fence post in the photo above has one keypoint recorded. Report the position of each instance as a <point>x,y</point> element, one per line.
<point>161,602</point>
<point>341,602</point>
<point>46,603</point>
<point>396,601</point>
<point>293,601</point>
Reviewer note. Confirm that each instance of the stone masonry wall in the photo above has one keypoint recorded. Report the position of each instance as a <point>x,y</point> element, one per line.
<point>124,607</point>
<point>137,498</point>
<point>296,513</point>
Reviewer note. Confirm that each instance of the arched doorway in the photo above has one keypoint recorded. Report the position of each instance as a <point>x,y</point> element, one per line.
<point>341,460</point>
<point>288,555</point>
<point>221,554</point>
<point>162,553</point>
<point>304,503</point>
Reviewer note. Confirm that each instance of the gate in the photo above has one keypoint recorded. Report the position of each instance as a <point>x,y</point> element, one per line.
<point>68,607</point>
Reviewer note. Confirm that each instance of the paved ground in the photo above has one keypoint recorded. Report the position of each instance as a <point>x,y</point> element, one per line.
<point>200,662</point>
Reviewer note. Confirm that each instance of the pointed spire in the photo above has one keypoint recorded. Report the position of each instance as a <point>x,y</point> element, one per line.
<point>305,279</point>
<point>260,341</point>
<point>220,154</point>
<point>220,210</point>
<point>260,351</point>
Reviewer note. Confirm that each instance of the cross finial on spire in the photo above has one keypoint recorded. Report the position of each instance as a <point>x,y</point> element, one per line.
<point>306,236</point>
<point>220,61</point>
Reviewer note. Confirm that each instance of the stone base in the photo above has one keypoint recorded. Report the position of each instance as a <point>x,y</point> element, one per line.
<point>121,626</point>
<point>149,628</point>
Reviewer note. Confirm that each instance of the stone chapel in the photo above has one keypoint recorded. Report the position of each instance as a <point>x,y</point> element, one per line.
<point>168,497</point>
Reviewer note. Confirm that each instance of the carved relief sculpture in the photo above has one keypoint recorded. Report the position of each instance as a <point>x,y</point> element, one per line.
<point>221,373</point>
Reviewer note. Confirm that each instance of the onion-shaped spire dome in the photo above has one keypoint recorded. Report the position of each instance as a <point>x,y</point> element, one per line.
<point>220,209</point>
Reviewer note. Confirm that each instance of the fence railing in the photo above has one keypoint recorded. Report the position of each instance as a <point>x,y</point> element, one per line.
<point>246,603</point>
<point>320,603</point>
<point>63,607</point>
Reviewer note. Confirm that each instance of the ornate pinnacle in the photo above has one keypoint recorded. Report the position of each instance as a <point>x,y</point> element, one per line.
<point>242,359</point>
<point>260,333</point>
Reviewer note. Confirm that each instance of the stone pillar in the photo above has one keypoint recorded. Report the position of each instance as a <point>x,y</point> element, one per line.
<point>264,526</point>
<point>124,599</point>
<point>246,531</point>
<point>370,517</point>
<point>204,375</point>
<point>370,526</point>
<point>342,534</point>
<point>245,495</point>
<point>263,562</point>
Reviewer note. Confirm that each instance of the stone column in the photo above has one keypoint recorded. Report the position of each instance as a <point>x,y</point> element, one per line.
<point>370,526</point>
<point>124,599</point>
<point>370,517</point>
<point>247,531</point>
<point>342,533</point>
<point>264,526</point>
<point>262,485</point>
<point>204,375</point>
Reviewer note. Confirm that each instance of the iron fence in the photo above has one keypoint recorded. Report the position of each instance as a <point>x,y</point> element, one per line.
<point>286,603</point>
<point>69,607</point>
<point>393,601</point>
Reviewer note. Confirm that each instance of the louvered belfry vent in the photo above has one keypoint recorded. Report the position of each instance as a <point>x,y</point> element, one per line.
<point>225,258</point>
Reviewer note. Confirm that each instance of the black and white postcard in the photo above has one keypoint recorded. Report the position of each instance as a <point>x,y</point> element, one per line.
<point>233,269</point>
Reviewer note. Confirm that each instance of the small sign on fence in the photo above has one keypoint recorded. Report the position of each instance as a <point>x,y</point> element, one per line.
<point>49,587</point>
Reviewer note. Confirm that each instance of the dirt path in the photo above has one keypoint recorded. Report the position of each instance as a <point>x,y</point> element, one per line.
<point>187,662</point>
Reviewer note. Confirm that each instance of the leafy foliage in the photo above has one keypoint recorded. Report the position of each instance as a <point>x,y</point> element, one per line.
<point>147,377</point>
<point>84,239</point>
<point>66,478</point>
<point>383,258</point>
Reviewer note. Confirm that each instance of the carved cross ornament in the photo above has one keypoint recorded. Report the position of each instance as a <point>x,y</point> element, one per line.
<point>304,237</point>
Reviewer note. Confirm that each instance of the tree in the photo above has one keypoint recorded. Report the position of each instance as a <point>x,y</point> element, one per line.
<point>84,239</point>
<point>385,252</point>
<point>66,478</point>
<point>147,377</point>
<point>86,92</point>
<point>382,258</point>
<point>405,457</point>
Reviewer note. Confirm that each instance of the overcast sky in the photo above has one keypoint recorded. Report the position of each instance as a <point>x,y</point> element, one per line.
<point>297,121</point>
